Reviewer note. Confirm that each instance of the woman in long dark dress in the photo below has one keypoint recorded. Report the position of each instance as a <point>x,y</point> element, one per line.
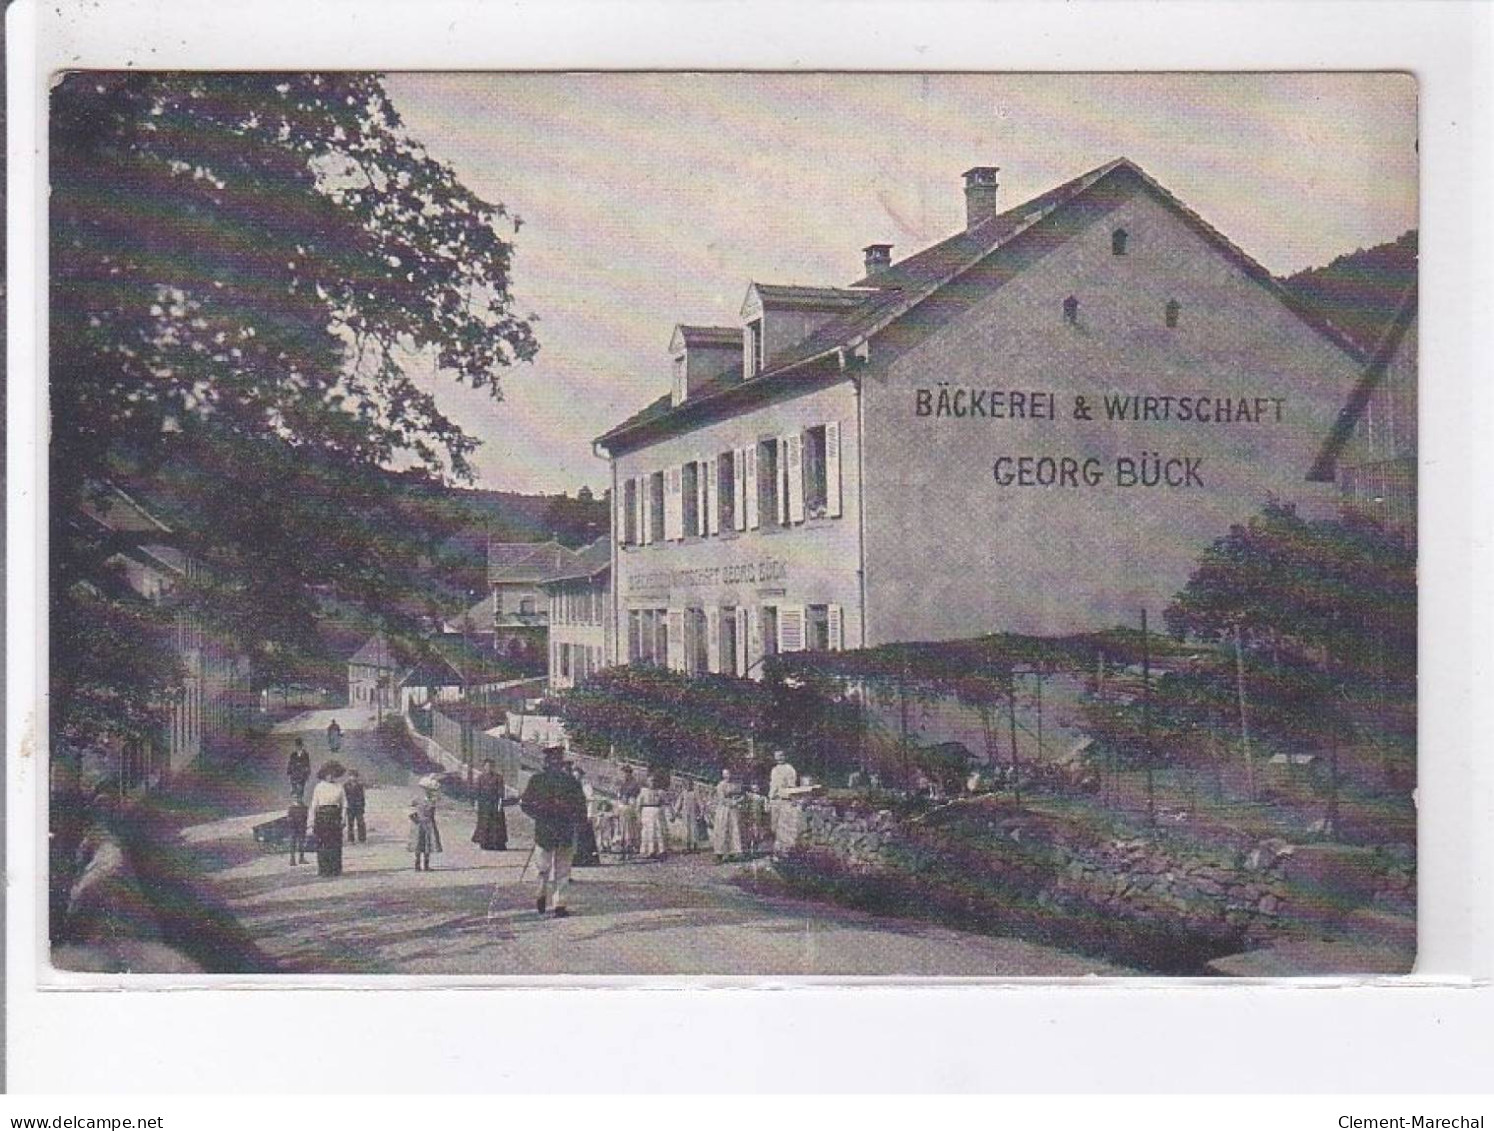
<point>491,833</point>
<point>587,855</point>
<point>327,805</point>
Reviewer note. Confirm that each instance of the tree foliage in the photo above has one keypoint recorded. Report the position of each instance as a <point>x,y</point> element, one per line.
<point>247,269</point>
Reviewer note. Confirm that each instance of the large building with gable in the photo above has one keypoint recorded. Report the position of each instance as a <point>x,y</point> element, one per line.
<point>1033,426</point>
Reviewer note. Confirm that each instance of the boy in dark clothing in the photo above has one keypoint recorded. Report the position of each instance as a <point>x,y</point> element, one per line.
<point>553,798</point>
<point>298,769</point>
<point>296,815</point>
<point>353,790</point>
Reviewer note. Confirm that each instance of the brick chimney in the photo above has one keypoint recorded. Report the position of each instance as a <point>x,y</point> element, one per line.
<point>980,194</point>
<point>878,257</point>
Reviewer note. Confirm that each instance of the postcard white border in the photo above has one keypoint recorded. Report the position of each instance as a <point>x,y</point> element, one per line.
<point>1429,1031</point>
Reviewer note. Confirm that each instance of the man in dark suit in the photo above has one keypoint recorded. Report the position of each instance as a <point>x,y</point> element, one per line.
<point>553,798</point>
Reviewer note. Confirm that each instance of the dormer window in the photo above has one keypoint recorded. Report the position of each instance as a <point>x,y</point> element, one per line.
<point>677,394</point>
<point>754,347</point>
<point>1118,242</point>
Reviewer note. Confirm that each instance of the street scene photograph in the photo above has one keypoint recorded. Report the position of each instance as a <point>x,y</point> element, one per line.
<point>738,525</point>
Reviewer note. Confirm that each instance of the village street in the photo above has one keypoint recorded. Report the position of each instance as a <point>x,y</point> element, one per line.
<point>473,916</point>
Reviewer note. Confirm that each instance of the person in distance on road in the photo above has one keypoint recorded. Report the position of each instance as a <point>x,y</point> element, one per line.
<point>357,800</point>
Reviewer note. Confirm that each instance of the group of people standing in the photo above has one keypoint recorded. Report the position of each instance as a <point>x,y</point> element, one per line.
<point>745,822</point>
<point>333,805</point>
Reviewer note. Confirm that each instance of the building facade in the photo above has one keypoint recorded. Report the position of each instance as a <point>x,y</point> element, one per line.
<point>374,673</point>
<point>1371,453</point>
<point>580,617</point>
<point>214,694</point>
<point>1034,426</point>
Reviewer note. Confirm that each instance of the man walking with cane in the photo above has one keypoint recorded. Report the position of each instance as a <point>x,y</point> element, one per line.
<point>554,800</point>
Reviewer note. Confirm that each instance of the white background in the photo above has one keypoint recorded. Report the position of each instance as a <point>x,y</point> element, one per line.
<point>1434,1031</point>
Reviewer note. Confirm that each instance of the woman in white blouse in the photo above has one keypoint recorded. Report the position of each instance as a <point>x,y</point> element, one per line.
<point>327,804</point>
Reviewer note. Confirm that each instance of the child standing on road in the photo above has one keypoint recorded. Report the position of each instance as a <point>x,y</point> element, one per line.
<point>425,837</point>
<point>296,815</point>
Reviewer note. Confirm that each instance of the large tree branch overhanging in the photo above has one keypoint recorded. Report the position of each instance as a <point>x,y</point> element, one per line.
<point>230,317</point>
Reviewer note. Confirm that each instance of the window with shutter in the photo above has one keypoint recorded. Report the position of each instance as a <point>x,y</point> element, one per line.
<point>766,638</point>
<point>702,498</point>
<point>712,499</point>
<point>780,481</point>
<point>674,518</point>
<point>794,479</point>
<point>837,629</point>
<point>832,470</point>
<point>713,640</point>
<point>750,490</point>
<point>620,529</point>
<point>689,500</point>
<point>741,640</point>
<point>738,489</point>
<point>791,628</point>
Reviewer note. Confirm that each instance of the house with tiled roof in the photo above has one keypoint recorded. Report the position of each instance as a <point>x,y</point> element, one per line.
<point>1035,426</point>
<point>147,563</point>
<point>1371,451</point>
<point>580,616</point>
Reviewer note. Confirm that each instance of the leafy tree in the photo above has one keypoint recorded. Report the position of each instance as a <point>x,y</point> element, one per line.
<point>1322,615</point>
<point>243,267</point>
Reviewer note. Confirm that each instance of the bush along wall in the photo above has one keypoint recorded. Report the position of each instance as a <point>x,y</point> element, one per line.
<point>984,865</point>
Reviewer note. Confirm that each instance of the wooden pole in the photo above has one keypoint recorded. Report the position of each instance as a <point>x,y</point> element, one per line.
<point>1244,721</point>
<point>1038,675</point>
<point>1146,722</point>
<point>1011,714</point>
<point>1331,829</point>
<point>902,697</point>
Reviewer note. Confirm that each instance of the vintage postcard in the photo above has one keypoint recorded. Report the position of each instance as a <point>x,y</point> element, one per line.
<point>734,524</point>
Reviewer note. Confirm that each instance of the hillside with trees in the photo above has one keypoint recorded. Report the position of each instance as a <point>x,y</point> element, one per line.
<point>1359,292</point>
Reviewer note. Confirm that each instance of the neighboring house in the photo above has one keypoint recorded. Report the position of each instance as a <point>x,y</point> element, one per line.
<point>478,621</point>
<point>516,580</point>
<point>516,583</point>
<point>1371,451</point>
<point>374,674</point>
<point>1034,426</point>
<point>580,616</point>
<point>456,669</point>
<point>215,689</point>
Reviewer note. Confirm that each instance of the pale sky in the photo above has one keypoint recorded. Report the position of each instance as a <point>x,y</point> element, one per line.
<point>654,199</point>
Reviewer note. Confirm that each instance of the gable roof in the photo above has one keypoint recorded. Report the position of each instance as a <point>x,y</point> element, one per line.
<point>1326,467</point>
<point>586,562</point>
<point>375,653</point>
<point>719,337</point>
<point>881,299</point>
<point>532,567</point>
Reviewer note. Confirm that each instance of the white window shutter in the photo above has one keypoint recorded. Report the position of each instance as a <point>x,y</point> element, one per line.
<point>621,533</point>
<point>749,485</point>
<point>791,628</point>
<point>832,470</point>
<point>780,487</point>
<point>835,622</point>
<point>739,488</point>
<point>712,523</point>
<point>795,478</point>
<point>674,642</point>
<point>742,631</point>
<point>674,505</point>
<point>645,509</point>
<point>713,639</point>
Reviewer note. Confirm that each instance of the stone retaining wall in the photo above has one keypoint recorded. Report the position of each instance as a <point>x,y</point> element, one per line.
<point>1066,869</point>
